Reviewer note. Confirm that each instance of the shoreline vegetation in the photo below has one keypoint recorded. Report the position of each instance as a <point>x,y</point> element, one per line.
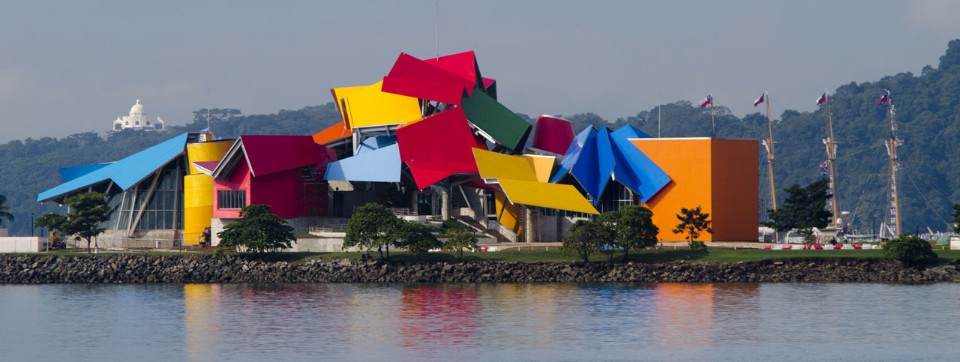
<point>648,266</point>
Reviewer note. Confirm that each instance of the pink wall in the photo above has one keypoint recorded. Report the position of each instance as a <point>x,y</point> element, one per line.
<point>286,192</point>
<point>239,180</point>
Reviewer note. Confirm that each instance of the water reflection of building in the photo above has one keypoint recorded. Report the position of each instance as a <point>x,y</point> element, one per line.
<point>439,315</point>
<point>201,317</point>
<point>687,314</point>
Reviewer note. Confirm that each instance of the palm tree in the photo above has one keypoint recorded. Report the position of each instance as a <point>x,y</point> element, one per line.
<point>4,214</point>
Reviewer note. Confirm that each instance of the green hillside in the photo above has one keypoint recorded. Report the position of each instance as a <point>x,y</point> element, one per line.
<point>928,115</point>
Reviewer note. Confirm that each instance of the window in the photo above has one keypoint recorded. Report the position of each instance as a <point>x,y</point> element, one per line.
<point>231,199</point>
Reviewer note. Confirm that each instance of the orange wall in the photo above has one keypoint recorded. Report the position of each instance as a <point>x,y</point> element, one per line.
<point>720,176</point>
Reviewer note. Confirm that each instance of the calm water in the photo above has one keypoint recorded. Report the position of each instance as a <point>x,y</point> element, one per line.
<point>480,322</point>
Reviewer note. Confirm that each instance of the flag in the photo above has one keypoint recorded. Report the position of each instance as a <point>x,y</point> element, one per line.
<point>763,97</point>
<point>885,97</point>
<point>706,101</point>
<point>823,98</point>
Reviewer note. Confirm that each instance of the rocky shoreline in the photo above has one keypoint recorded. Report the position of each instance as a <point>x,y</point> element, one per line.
<point>131,268</point>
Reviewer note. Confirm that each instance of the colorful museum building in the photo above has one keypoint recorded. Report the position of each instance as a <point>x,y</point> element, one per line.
<point>429,139</point>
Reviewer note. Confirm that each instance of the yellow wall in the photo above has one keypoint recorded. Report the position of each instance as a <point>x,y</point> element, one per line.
<point>507,217</point>
<point>197,206</point>
<point>206,152</point>
<point>720,176</point>
<point>198,189</point>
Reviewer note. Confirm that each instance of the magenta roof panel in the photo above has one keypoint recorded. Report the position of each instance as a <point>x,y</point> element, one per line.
<point>553,134</point>
<point>271,154</point>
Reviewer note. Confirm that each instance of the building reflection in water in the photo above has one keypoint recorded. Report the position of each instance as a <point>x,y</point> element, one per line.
<point>691,314</point>
<point>201,319</point>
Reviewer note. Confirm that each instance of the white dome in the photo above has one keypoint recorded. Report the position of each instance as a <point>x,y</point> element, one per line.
<point>137,108</point>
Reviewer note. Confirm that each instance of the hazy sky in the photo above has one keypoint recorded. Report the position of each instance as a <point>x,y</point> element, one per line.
<point>74,66</point>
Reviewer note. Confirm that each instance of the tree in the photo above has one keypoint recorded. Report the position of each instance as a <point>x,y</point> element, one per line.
<point>607,233</point>
<point>50,221</point>
<point>635,228</point>
<point>459,239</point>
<point>694,222</point>
<point>582,239</point>
<point>5,210</point>
<point>372,226</point>
<point>417,238</point>
<point>805,208</point>
<point>258,230</point>
<point>910,250</point>
<point>87,212</point>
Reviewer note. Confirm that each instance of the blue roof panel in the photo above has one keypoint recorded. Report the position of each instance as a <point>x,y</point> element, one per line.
<point>70,173</point>
<point>126,172</point>
<point>573,153</point>
<point>380,165</point>
<point>634,169</point>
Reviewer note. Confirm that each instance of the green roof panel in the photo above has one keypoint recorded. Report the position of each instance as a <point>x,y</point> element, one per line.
<point>496,121</point>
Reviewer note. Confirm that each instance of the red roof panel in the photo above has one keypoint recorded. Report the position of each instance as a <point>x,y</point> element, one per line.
<point>438,146</point>
<point>416,78</point>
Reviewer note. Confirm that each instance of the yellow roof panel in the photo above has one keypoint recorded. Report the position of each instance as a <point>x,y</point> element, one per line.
<point>553,196</point>
<point>542,166</point>
<point>500,166</point>
<point>369,106</point>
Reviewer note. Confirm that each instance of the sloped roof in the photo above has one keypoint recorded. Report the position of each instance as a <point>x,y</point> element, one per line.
<point>368,106</point>
<point>634,169</point>
<point>416,78</point>
<point>70,173</point>
<point>553,196</point>
<point>125,172</point>
<point>463,65</point>
<point>438,146</point>
<point>375,165</point>
<point>497,121</point>
<point>335,132</point>
<point>594,156</point>
<point>553,134</point>
<point>271,154</point>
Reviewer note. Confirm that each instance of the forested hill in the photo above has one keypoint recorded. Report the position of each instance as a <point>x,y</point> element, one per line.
<point>928,119</point>
<point>928,115</point>
<point>31,166</point>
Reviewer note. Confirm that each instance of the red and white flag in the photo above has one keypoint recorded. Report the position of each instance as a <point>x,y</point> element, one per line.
<point>884,98</point>
<point>706,101</point>
<point>823,98</point>
<point>763,98</point>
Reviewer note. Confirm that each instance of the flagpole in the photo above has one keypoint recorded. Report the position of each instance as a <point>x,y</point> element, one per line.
<point>831,158</point>
<point>659,102</point>
<point>770,157</point>
<point>713,126</point>
<point>892,150</point>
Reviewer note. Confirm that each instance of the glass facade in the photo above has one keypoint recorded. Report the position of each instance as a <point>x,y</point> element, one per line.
<point>162,208</point>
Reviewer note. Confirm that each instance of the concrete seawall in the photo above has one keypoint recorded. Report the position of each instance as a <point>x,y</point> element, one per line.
<point>126,268</point>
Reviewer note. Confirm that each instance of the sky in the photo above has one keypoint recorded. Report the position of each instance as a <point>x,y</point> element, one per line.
<point>75,66</point>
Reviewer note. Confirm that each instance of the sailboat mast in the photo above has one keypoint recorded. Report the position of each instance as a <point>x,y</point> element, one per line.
<point>770,157</point>
<point>892,151</point>
<point>831,158</point>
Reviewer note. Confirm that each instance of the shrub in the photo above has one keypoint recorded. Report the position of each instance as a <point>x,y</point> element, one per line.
<point>697,245</point>
<point>909,249</point>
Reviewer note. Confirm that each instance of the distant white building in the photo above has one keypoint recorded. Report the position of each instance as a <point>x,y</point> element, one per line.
<point>137,120</point>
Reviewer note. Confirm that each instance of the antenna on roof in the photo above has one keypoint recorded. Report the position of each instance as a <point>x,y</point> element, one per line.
<point>437,29</point>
